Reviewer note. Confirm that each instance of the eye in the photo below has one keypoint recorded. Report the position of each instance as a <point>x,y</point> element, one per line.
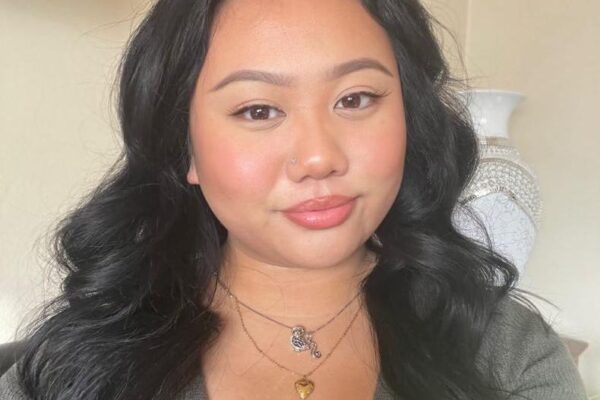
<point>360,100</point>
<point>257,112</point>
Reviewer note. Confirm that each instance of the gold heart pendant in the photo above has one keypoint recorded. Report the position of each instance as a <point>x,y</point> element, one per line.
<point>304,387</point>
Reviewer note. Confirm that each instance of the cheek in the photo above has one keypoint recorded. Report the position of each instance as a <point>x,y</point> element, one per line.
<point>231,172</point>
<point>382,152</point>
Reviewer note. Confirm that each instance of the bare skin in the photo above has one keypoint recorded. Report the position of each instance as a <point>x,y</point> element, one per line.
<point>349,146</point>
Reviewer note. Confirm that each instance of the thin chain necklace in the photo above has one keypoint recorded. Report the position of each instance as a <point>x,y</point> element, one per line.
<point>301,339</point>
<point>304,386</point>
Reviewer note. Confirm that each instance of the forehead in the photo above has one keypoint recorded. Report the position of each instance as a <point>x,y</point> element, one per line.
<point>298,37</point>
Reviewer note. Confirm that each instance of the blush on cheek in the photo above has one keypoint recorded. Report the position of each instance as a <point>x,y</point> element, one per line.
<point>390,153</point>
<point>232,173</point>
<point>383,151</point>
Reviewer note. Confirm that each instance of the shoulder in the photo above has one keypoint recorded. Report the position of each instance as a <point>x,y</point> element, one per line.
<point>523,354</point>
<point>9,385</point>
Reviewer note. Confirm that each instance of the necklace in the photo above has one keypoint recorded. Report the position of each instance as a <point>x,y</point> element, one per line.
<point>301,339</point>
<point>304,386</point>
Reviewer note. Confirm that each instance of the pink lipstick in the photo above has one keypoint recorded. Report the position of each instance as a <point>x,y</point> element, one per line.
<point>321,212</point>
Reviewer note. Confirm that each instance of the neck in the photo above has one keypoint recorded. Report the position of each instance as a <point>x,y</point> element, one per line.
<point>293,294</point>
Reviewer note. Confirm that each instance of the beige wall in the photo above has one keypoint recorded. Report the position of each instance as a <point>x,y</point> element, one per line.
<point>57,129</point>
<point>59,59</point>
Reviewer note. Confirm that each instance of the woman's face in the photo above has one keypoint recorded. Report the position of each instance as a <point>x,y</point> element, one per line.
<point>315,57</point>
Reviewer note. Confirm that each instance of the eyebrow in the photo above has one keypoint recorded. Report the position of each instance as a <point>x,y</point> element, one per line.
<point>287,80</point>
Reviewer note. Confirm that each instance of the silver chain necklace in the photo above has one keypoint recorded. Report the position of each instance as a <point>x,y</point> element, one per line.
<point>301,339</point>
<point>304,386</point>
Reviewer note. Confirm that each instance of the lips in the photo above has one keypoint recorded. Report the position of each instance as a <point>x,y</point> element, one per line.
<point>322,212</point>
<point>320,203</point>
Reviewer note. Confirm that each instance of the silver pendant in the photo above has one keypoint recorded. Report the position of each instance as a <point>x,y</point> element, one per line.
<point>303,341</point>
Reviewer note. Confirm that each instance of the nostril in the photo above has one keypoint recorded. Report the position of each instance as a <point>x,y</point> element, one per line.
<point>317,153</point>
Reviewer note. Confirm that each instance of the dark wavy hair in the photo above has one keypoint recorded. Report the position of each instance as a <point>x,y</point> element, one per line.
<point>138,252</point>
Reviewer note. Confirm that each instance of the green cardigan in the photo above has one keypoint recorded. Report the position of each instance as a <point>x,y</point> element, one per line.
<point>516,350</point>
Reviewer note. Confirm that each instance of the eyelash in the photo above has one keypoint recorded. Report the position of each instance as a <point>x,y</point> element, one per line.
<point>374,96</point>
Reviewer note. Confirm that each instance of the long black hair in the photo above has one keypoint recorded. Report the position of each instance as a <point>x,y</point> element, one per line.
<point>139,251</point>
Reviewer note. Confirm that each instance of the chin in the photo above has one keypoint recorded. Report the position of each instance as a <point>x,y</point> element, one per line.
<point>321,255</point>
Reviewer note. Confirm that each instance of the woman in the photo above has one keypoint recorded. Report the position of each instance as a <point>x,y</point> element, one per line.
<point>280,224</point>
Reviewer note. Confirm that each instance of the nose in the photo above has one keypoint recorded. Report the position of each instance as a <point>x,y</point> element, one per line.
<point>318,149</point>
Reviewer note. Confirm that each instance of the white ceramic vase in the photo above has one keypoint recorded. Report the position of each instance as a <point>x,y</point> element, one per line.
<point>504,192</point>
